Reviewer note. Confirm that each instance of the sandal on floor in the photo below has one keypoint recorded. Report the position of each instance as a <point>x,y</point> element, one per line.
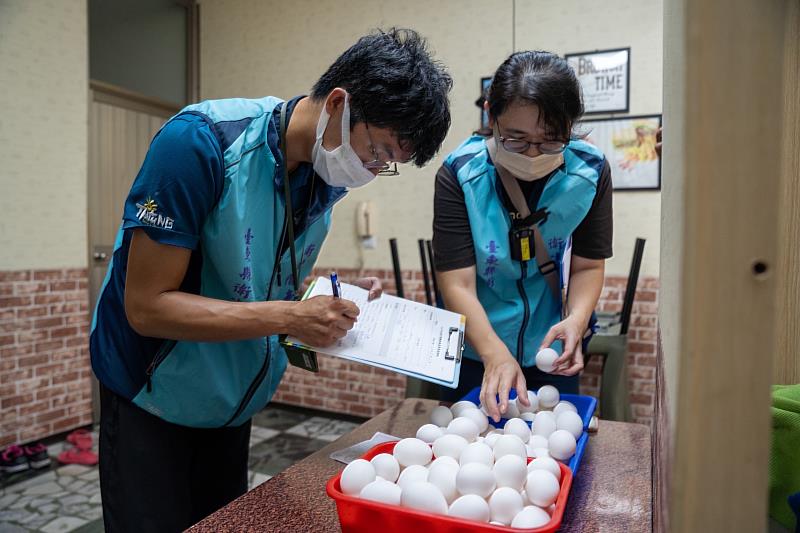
<point>81,438</point>
<point>77,456</point>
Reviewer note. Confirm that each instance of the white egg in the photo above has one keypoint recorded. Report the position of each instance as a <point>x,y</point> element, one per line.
<point>545,463</point>
<point>534,401</point>
<point>548,397</point>
<point>491,439</point>
<point>475,478</point>
<point>443,462</point>
<point>504,504</point>
<point>509,445</point>
<point>412,474</point>
<point>357,475</point>
<point>480,419</point>
<point>542,488</point>
<point>527,417</point>
<point>510,471</point>
<point>540,452</point>
<point>458,407</point>
<point>477,452</point>
<point>383,491</point>
<point>386,466</point>
<point>497,524</point>
<point>450,446</point>
<point>545,359</point>
<point>562,406</point>
<point>471,507</point>
<point>412,451</point>
<point>429,433</point>
<point>561,445</point>
<point>537,441</point>
<point>423,496</point>
<point>544,424</point>
<point>570,421</point>
<point>513,409</point>
<point>441,415</point>
<point>444,477</point>
<point>464,427</point>
<point>530,517</point>
<point>518,427</point>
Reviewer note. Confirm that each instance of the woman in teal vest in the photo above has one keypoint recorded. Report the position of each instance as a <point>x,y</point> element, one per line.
<point>519,218</point>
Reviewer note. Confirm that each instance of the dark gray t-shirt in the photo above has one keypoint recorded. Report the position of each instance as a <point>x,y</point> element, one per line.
<point>452,237</point>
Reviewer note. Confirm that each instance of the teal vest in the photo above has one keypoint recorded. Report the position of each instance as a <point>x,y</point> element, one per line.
<point>212,384</point>
<point>520,305</point>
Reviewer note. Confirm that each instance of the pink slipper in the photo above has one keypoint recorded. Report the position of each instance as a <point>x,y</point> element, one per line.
<point>77,456</point>
<point>81,438</point>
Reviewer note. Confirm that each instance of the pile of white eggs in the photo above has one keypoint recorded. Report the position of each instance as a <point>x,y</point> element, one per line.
<point>460,466</point>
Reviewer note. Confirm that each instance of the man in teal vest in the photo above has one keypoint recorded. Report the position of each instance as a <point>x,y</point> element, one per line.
<point>202,280</point>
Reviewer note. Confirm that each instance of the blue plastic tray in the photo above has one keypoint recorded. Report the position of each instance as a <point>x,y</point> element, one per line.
<point>585,405</point>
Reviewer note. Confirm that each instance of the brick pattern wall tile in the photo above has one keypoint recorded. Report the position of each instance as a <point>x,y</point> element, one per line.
<point>45,375</point>
<point>356,389</point>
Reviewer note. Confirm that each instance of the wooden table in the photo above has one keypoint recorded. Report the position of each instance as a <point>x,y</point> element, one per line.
<point>611,493</point>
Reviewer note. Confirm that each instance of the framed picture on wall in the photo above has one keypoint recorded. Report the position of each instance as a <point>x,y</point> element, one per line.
<point>485,83</point>
<point>605,79</point>
<point>629,144</point>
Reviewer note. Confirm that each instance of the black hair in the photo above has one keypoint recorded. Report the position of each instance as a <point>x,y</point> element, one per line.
<point>393,83</point>
<point>545,80</point>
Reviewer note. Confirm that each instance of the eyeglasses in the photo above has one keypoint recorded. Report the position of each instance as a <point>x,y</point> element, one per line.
<point>384,168</point>
<point>521,145</point>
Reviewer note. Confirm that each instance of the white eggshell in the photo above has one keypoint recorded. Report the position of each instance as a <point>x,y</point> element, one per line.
<point>412,451</point>
<point>570,421</point>
<point>429,433</point>
<point>562,406</point>
<point>423,496</point>
<point>542,488</point>
<point>512,411</point>
<point>444,477</point>
<point>477,452</point>
<point>441,415</point>
<point>386,466</point>
<point>443,462</point>
<point>537,441</point>
<point>357,475</point>
<point>471,507</point>
<point>544,424</point>
<point>548,397</point>
<point>480,419</point>
<point>534,401</point>
<point>383,491</point>
<point>545,359</point>
<point>540,452</point>
<point>545,463</point>
<point>561,445</point>
<point>518,427</point>
<point>509,445</point>
<point>510,471</point>
<point>504,504</point>
<point>464,427</point>
<point>475,478</point>
<point>530,517</point>
<point>458,407</point>
<point>491,439</point>
<point>527,417</point>
<point>412,474</point>
<point>450,446</point>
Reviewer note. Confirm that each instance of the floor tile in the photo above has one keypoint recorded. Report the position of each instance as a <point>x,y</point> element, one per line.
<point>278,418</point>
<point>278,453</point>
<point>318,427</point>
<point>62,524</point>
<point>255,479</point>
<point>259,434</point>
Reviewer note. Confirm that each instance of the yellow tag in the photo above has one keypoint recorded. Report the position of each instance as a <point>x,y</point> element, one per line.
<point>525,247</point>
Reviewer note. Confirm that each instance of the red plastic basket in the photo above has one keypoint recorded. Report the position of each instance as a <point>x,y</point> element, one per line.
<point>367,516</point>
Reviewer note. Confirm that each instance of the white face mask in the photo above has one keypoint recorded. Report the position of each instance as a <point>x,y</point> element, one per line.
<point>522,166</point>
<point>340,167</point>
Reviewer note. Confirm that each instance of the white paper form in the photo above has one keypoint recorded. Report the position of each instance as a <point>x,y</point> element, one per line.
<point>397,334</point>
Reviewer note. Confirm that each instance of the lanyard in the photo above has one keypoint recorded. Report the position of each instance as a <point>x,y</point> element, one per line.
<point>289,221</point>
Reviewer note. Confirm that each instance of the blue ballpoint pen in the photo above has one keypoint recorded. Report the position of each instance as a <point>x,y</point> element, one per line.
<point>335,285</point>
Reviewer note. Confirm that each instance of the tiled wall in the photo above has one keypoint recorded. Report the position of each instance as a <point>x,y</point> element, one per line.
<point>343,386</point>
<point>45,383</point>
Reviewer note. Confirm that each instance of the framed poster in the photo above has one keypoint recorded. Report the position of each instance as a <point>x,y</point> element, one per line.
<point>604,76</point>
<point>629,144</point>
<point>485,83</point>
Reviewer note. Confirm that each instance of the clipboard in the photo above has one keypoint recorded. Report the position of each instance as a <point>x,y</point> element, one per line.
<point>392,333</point>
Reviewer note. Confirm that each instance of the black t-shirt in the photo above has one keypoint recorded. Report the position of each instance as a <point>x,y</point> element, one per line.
<point>452,237</point>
